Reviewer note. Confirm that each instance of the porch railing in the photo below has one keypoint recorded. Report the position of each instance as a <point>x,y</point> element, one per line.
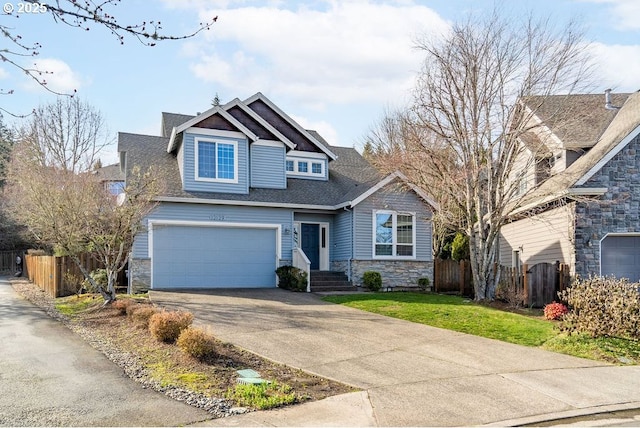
<point>301,261</point>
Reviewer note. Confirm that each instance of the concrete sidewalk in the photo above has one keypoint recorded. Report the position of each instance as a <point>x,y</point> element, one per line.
<point>410,374</point>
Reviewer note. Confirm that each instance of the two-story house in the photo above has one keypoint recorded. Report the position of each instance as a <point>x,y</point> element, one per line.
<point>581,181</point>
<point>249,189</point>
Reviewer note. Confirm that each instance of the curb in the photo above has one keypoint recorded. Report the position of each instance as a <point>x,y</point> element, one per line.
<point>567,414</point>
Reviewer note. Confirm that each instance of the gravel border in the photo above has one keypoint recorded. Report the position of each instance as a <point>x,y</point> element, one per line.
<point>128,362</point>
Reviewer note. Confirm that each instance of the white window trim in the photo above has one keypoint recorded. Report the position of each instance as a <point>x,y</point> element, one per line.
<point>309,162</point>
<point>217,141</point>
<point>394,238</point>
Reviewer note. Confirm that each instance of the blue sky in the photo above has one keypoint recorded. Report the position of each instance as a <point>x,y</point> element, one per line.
<point>334,66</point>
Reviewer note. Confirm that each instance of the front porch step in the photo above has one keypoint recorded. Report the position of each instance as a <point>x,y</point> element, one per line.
<point>322,281</point>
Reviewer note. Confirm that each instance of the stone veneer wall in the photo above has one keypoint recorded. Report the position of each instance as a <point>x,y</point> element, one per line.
<point>395,273</point>
<point>617,211</point>
<point>140,271</point>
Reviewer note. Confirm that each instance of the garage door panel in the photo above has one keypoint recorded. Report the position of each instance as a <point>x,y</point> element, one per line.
<point>213,257</point>
<point>620,257</point>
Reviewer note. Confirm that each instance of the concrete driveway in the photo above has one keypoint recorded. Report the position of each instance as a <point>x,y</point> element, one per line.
<point>411,374</point>
<point>50,377</point>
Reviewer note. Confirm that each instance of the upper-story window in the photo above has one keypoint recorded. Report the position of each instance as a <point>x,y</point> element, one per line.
<point>115,187</point>
<point>216,160</point>
<point>394,235</point>
<point>305,167</point>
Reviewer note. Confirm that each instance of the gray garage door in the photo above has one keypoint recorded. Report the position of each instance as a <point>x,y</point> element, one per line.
<point>213,257</point>
<point>620,257</point>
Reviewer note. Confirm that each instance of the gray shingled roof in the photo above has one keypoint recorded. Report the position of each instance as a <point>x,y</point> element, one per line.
<point>577,120</point>
<point>349,176</point>
<point>110,173</point>
<point>173,120</point>
<point>621,123</point>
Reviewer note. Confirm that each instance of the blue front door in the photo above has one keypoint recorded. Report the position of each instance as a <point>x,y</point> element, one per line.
<point>311,243</point>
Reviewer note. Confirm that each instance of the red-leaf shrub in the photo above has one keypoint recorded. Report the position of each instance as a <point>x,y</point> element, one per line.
<point>141,314</point>
<point>555,311</point>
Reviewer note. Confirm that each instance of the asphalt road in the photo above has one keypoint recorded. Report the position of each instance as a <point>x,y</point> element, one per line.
<point>51,377</point>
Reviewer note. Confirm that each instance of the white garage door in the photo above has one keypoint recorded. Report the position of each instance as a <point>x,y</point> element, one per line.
<point>620,257</point>
<point>213,257</point>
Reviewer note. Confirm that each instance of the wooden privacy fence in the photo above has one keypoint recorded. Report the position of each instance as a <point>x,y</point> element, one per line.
<point>451,276</point>
<point>60,276</point>
<point>8,261</point>
<point>536,285</point>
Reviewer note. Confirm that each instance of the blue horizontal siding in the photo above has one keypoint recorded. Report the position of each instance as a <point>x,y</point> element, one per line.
<point>189,169</point>
<point>218,213</point>
<point>342,236</point>
<point>395,198</point>
<point>267,167</point>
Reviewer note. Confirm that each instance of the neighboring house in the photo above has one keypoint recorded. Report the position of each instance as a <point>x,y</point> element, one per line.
<point>113,178</point>
<point>248,190</point>
<point>583,184</point>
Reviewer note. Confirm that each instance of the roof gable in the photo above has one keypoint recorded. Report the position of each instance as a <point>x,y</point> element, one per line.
<point>214,118</point>
<point>576,120</point>
<point>389,179</point>
<point>255,123</point>
<point>622,129</point>
<point>272,114</point>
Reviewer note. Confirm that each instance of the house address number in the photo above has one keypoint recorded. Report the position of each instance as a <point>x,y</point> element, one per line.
<point>217,217</point>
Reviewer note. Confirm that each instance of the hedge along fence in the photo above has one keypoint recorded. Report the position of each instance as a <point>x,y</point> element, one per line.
<point>53,274</point>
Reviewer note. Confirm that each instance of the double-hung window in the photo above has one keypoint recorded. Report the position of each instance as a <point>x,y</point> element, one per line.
<point>216,160</point>
<point>394,234</point>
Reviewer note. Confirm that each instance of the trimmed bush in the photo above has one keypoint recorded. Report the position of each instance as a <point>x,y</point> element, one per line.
<point>167,326</point>
<point>292,278</point>
<point>372,280</point>
<point>424,283</point>
<point>197,342</point>
<point>141,314</point>
<point>555,311</point>
<point>122,305</point>
<point>603,307</point>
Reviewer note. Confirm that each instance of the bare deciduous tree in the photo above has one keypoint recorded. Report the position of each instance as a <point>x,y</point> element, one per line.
<point>66,134</point>
<point>52,190</point>
<point>469,116</point>
<point>74,213</point>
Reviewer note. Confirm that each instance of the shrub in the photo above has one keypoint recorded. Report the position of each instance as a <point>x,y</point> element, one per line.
<point>510,294</point>
<point>167,326</point>
<point>122,305</point>
<point>141,314</point>
<point>460,247</point>
<point>555,311</point>
<point>372,280</point>
<point>292,278</point>
<point>424,283</point>
<point>197,342</point>
<point>603,307</point>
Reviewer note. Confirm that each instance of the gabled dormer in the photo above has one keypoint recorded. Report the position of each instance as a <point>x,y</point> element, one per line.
<point>243,145</point>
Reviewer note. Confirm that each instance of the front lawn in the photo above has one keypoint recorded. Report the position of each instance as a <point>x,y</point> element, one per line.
<point>459,314</point>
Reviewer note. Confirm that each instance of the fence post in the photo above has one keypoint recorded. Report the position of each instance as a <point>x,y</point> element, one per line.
<point>525,284</point>
<point>462,277</point>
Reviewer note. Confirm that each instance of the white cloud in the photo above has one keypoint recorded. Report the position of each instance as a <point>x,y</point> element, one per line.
<point>3,73</point>
<point>618,66</point>
<point>58,76</point>
<point>625,13</point>
<point>340,52</point>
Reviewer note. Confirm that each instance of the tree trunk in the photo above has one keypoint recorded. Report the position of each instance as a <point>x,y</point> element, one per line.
<point>108,297</point>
